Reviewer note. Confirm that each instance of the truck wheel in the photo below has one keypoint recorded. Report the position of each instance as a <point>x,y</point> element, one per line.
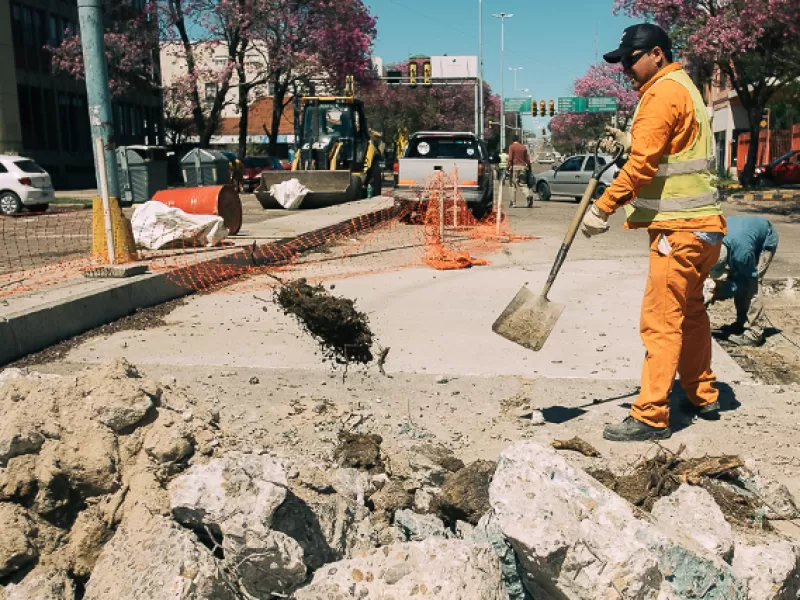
<point>356,190</point>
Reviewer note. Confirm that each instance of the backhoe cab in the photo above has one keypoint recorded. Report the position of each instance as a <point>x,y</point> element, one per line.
<point>337,157</point>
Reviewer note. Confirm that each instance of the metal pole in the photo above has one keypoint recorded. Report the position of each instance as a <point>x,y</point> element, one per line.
<point>103,182</point>
<point>90,15</point>
<point>502,81</point>
<point>477,112</point>
<point>480,69</point>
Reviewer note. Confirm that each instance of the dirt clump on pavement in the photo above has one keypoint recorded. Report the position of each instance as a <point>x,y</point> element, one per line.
<point>465,493</point>
<point>359,451</point>
<point>576,444</point>
<point>342,331</point>
<point>663,474</point>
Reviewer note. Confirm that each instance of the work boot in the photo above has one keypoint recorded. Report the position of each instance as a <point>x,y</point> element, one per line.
<point>748,338</point>
<point>631,430</point>
<point>530,201</point>
<point>709,412</point>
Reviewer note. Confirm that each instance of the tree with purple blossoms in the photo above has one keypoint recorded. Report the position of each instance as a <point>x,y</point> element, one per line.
<point>755,43</point>
<point>573,132</point>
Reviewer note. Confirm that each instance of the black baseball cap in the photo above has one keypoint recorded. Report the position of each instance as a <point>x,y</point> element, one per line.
<point>644,36</point>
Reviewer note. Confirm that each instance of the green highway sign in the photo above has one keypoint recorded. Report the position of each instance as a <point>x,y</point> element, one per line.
<point>572,104</point>
<point>515,105</point>
<point>602,104</point>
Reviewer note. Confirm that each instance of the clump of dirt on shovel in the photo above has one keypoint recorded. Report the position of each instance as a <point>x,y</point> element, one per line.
<point>661,475</point>
<point>341,330</point>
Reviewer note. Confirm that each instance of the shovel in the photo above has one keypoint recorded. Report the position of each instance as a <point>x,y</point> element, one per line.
<point>528,319</point>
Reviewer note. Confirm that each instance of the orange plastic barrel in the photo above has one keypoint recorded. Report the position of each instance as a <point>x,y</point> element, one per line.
<point>218,200</point>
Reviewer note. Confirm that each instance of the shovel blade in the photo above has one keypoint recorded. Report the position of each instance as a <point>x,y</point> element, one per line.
<point>528,319</point>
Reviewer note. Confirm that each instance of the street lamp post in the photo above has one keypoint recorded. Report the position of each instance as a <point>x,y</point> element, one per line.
<point>480,70</point>
<point>515,69</point>
<point>503,17</point>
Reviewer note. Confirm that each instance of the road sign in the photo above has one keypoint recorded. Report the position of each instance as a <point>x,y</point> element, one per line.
<point>515,105</point>
<point>602,104</point>
<point>572,104</point>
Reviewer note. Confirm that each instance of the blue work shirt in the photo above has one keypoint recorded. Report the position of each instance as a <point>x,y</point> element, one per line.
<point>746,239</point>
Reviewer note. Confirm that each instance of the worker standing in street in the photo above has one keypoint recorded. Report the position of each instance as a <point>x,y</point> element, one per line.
<point>747,252</point>
<point>519,163</point>
<point>502,166</point>
<point>666,186</point>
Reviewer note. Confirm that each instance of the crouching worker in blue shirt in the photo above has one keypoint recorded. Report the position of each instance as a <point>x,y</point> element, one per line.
<point>747,251</point>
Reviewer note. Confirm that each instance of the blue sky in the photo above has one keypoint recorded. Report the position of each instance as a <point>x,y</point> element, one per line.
<point>553,41</point>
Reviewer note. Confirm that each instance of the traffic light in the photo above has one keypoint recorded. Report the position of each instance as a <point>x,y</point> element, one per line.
<point>543,108</point>
<point>394,77</point>
<point>412,73</point>
<point>552,108</point>
<point>533,108</point>
<point>426,72</point>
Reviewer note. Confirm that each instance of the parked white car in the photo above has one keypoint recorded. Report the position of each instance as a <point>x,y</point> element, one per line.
<point>571,177</point>
<point>23,184</point>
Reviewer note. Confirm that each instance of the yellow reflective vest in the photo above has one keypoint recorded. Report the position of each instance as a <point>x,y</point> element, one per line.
<point>684,186</point>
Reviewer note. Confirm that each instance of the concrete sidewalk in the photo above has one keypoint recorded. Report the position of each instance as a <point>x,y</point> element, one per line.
<point>33,321</point>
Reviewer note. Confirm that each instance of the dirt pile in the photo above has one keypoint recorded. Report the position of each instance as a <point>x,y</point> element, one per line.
<point>342,332</point>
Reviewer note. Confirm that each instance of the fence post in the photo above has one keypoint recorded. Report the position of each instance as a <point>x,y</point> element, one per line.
<point>102,172</point>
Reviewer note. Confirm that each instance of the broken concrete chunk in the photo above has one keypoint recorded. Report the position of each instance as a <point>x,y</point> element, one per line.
<point>487,531</point>
<point>425,500</point>
<point>152,558</point>
<point>392,497</point>
<point>15,442</point>
<point>167,444</point>
<point>120,406</point>
<point>16,542</point>
<point>778,500</point>
<point>771,571</point>
<point>266,563</point>
<point>465,494</point>
<point>420,527</point>
<point>435,569</point>
<point>354,484</point>
<point>210,494</point>
<point>692,511</point>
<point>577,539</point>
<point>43,583</point>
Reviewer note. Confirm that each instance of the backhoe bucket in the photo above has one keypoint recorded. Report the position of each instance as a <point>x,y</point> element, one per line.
<point>327,187</point>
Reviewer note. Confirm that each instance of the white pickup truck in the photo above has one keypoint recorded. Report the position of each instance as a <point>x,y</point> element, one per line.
<point>431,151</point>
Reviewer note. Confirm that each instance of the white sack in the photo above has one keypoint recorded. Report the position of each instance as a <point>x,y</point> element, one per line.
<point>157,226</point>
<point>289,193</point>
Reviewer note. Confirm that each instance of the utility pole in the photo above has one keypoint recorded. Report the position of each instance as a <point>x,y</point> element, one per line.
<point>90,15</point>
<point>503,17</point>
<point>480,70</point>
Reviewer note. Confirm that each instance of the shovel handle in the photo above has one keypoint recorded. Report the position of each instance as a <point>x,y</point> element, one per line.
<point>576,220</point>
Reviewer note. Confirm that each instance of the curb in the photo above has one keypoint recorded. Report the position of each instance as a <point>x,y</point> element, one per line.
<point>766,196</point>
<point>29,331</point>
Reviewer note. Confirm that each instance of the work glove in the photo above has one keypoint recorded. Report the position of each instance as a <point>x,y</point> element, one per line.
<point>595,222</point>
<point>709,292</point>
<point>613,139</point>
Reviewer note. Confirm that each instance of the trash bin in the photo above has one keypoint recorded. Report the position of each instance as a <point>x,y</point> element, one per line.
<point>142,172</point>
<point>205,167</point>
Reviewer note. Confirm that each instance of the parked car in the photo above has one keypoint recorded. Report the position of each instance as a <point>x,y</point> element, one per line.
<point>784,170</point>
<point>254,166</point>
<point>571,177</point>
<point>23,184</point>
<point>431,151</point>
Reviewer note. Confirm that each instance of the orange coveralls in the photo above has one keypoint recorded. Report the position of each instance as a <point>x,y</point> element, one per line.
<point>674,324</point>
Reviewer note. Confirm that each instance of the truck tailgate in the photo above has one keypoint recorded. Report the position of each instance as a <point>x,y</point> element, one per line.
<point>413,172</point>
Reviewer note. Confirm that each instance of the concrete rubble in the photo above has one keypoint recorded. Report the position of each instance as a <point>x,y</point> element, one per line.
<point>115,486</point>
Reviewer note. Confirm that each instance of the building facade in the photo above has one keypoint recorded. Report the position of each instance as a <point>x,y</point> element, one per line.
<point>44,115</point>
<point>729,119</point>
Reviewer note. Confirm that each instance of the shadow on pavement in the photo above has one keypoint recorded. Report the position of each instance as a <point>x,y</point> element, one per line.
<point>562,414</point>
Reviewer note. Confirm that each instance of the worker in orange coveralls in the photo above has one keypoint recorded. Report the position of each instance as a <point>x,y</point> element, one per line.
<point>667,187</point>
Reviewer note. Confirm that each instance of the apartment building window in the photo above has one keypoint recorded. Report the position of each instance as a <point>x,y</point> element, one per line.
<point>211,90</point>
